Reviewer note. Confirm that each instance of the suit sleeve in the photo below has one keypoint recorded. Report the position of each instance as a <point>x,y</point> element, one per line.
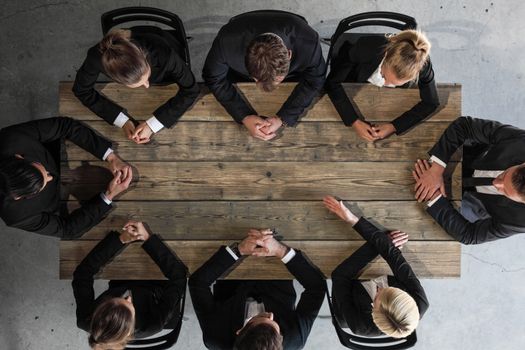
<point>83,277</point>
<point>399,266</point>
<point>176,273</point>
<point>428,104</point>
<point>309,86</point>
<point>215,74</point>
<point>84,88</point>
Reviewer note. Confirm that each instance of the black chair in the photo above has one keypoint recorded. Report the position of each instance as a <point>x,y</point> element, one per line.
<point>165,341</point>
<point>269,12</point>
<point>116,17</point>
<point>377,18</point>
<point>357,342</point>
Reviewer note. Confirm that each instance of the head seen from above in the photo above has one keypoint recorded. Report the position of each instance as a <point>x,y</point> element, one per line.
<point>395,312</point>
<point>21,178</point>
<point>123,60</point>
<point>260,333</point>
<point>405,55</point>
<point>511,183</point>
<point>267,60</point>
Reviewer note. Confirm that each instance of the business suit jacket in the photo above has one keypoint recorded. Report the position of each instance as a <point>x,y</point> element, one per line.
<point>229,49</point>
<point>489,145</point>
<point>351,302</point>
<point>156,302</point>
<point>40,213</point>
<point>355,64</point>
<point>220,318</point>
<point>166,66</point>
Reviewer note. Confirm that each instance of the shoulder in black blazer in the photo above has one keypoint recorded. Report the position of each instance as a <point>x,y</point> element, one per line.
<point>228,51</point>
<point>40,213</point>
<point>220,318</point>
<point>166,65</point>
<point>156,302</point>
<point>355,64</point>
<point>489,145</point>
<point>352,304</point>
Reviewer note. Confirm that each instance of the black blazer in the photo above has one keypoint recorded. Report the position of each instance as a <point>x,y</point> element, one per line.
<point>489,145</point>
<point>220,318</point>
<point>355,64</point>
<point>155,302</point>
<point>228,51</point>
<point>166,66</point>
<point>40,213</point>
<point>352,304</point>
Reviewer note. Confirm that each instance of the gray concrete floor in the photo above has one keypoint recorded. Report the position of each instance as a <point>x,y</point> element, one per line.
<point>476,43</point>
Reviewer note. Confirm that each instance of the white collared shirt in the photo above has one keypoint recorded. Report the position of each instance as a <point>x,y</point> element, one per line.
<point>372,285</point>
<point>251,309</point>
<point>377,78</point>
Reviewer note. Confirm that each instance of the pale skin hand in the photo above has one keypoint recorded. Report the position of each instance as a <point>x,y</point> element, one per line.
<point>382,131</point>
<point>276,124</point>
<point>118,185</point>
<point>398,238</point>
<point>129,129</point>
<point>142,133</point>
<point>254,124</point>
<point>364,130</point>
<point>429,180</point>
<point>339,209</point>
<point>134,231</point>
<point>116,164</point>
<point>248,245</point>
<point>269,246</point>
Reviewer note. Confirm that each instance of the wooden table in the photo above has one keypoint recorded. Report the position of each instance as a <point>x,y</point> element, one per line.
<point>205,182</point>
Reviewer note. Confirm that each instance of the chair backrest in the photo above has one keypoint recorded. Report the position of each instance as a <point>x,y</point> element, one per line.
<point>269,12</point>
<point>394,20</point>
<point>357,342</point>
<point>165,341</point>
<point>116,17</point>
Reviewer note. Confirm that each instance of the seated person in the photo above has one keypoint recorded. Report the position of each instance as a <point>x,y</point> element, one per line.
<point>256,314</point>
<point>134,58</point>
<point>268,48</point>
<point>397,60</point>
<point>391,305</point>
<point>128,309</point>
<point>493,201</point>
<point>30,177</point>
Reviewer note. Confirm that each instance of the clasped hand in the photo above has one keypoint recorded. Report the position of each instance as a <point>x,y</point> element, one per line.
<point>262,243</point>
<point>262,128</point>
<point>134,231</point>
<point>429,180</point>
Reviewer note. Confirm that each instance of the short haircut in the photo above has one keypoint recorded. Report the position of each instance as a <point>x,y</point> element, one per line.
<point>112,325</point>
<point>396,314</point>
<point>19,177</point>
<point>259,337</point>
<point>267,57</point>
<point>123,61</point>
<point>518,181</point>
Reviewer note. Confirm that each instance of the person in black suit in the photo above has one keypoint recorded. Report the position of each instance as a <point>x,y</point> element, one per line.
<point>128,309</point>
<point>391,305</point>
<point>493,202</point>
<point>396,60</point>
<point>30,177</point>
<point>256,314</point>
<point>268,48</point>
<point>137,57</point>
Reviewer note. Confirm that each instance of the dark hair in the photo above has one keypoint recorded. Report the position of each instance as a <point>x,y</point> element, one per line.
<point>123,61</point>
<point>19,177</point>
<point>267,57</point>
<point>518,181</point>
<point>259,337</point>
<point>112,325</point>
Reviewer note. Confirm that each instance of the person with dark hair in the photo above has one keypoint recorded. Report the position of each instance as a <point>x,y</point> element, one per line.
<point>399,60</point>
<point>268,48</point>
<point>256,314</point>
<point>493,201</point>
<point>128,309</point>
<point>30,177</point>
<point>135,58</point>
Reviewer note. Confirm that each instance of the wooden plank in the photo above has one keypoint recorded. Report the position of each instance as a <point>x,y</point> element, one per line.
<point>254,180</point>
<point>216,141</point>
<point>429,260</point>
<point>374,103</point>
<point>294,220</point>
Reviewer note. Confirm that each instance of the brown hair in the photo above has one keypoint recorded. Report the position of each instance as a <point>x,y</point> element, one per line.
<point>259,337</point>
<point>406,53</point>
<point>267,57</point>
<point>518,181</point>
<point>123,61</point>
<point>396,314</point>
<point>112,325</point>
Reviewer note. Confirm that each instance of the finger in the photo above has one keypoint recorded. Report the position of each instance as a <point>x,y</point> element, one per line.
<point>267,232</point>
<point>143,140</point>
<point>426,164</point>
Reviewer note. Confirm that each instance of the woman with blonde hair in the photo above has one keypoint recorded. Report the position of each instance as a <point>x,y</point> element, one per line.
<point>399,60</point>
<point>391,305</point>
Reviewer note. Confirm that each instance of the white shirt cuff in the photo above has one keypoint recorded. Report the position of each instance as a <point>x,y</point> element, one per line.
<point>431,203</point>
<point>106,155</point>
<point>289,256</point>
<point>105,199</point>
<point>154,124</point>
<point>228,249</point>
<point>439,161</point>
<point>121,120</point>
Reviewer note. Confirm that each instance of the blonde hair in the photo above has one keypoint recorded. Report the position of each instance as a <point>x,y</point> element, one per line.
<point>396,313</point>
<point>406,53</point>
<point>112,325</point>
